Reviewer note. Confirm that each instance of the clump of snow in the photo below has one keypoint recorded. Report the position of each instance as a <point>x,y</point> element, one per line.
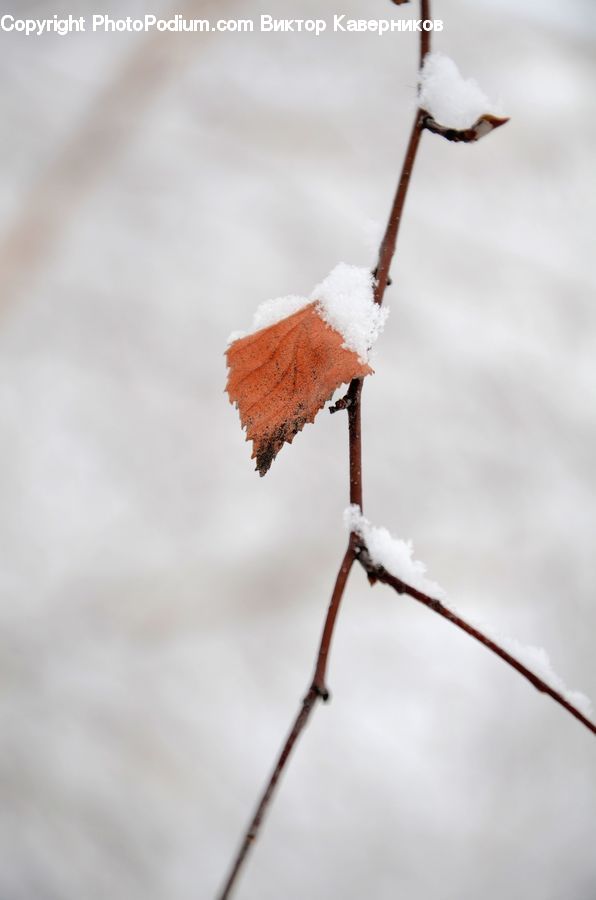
<point>393,554</point>
<point>272,311</point>
<point>536,659</point>
<point>450,99</point>
<point>346,302</point>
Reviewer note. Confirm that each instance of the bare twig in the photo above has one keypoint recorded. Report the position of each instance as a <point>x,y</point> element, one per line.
<point>355,550</point>
<point>481,127</point>
<point>355,438</point>
<point>388,244</point>
<point>425,36</point>
<point>352,403</point>
<point>317,691</point>
<point>387,248</point>
<point>378,573</point>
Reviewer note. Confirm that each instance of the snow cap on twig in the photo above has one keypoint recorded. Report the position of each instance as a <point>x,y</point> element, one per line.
<point>457,108</point>
<point>391,553</point>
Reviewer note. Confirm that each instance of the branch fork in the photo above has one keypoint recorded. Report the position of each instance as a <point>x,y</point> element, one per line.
<point>357,550</point>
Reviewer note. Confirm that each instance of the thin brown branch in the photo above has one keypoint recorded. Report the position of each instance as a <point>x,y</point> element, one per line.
<point>425,37</point>
<point>317,691</point>
<point>481,127</point>
<point>377,573</point>
<point>301,719</point>
<point>355,438</point>
<point>389,242</point>
<point>352,403</point>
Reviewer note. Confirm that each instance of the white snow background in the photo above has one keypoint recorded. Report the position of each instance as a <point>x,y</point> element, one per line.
<point>161,604</point>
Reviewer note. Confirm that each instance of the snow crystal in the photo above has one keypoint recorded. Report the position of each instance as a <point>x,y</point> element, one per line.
<point>451,100</point>
<point>345,300</point>
<point>347,304</point>
<point>393,554</point>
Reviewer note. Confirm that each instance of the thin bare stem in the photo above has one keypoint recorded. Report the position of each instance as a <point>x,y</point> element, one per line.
<point>352,402</point>
<point>425,37</point>
<point>253,829</point>
<point>389,242</point>
<point>319,680</point>
<point>355,438</point>
<point>377,573</point>
<point>317,691</point>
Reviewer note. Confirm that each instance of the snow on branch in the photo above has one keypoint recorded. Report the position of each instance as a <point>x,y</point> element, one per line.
<point>537,660</point>
<point>392,554</point>
<point>390,560</point>
<point>457,108</point>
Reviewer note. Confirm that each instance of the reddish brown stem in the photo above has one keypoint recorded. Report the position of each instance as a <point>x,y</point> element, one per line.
<point>317,691</point>
<point>377,573</point>
<point>352,402</point>
<point>388,244</point>
<point>425,37</point>
<point>355,438</point>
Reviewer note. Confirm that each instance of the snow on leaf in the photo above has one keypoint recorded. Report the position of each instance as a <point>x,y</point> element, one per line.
<point>283,374</point>
<point>345,299</point>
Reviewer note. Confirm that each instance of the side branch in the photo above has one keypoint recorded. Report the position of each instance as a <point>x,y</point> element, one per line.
<point>378,573</point>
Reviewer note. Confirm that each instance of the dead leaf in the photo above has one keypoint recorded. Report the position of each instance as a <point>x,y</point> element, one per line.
<point>281,376</point>
<point>482,126</point>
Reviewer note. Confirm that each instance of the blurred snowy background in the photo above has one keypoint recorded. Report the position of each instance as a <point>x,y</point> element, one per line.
<point>161,604</point>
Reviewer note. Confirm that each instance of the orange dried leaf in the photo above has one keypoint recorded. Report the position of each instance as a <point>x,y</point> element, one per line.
<point>281,376</point>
